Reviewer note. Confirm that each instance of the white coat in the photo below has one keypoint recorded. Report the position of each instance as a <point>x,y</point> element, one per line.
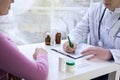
<point>110,29</point>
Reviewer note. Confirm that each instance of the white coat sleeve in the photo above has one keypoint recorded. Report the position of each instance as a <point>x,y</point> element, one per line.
<point>80,32</point>
<point>116,52</point>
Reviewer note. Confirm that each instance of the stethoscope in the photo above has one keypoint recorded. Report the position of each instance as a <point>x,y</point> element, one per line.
<point>100,43</point>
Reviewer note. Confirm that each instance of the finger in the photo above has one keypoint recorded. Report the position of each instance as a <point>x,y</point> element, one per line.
<point>88,50</point>
<point>88,53</point>
<point>65,46</point>
<point>92,57</point>
<point>71,49</point>
<point>34,57</point>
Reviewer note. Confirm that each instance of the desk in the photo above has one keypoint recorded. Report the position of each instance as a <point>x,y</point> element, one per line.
<point>84,70</point>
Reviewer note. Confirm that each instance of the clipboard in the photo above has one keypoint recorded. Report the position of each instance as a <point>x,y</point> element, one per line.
<point>68,55</point>
<point>76,55</point>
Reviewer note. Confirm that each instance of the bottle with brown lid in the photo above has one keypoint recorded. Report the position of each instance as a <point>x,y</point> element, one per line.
<point>47,39</point>
<point>58,38</point>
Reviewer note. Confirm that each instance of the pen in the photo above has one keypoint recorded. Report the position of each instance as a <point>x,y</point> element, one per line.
<point>70,43</point>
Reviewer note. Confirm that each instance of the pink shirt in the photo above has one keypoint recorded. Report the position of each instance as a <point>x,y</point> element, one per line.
<point>13,61</point>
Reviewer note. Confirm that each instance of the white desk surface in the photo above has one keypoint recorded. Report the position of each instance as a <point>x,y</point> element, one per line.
<point>84,70</point>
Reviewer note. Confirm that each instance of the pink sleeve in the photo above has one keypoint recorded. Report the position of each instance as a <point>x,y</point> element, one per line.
<point>12,61</point>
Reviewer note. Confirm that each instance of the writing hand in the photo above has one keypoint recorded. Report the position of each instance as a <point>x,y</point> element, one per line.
<point>67,47</point>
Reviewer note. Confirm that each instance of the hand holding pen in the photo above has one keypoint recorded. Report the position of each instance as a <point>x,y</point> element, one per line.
<point>69,46</point>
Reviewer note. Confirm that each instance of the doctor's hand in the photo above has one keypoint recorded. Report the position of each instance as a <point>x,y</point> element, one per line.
<point>98,52</point>
<point>67,47</point>
<point>39,51</point>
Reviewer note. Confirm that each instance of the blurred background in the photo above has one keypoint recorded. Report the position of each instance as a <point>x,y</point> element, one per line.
<point>30,20</point>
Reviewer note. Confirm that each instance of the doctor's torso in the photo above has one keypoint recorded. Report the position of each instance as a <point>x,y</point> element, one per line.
<point>108,26</point>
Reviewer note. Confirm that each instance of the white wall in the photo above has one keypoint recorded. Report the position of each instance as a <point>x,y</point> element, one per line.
<point>36,17</point>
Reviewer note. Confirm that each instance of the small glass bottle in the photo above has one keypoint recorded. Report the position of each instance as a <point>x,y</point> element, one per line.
<point>58,38</point>
<point>53,34</point>
<point>47,39</point>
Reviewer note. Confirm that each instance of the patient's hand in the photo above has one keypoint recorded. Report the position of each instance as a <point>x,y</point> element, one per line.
<point>39,51</point>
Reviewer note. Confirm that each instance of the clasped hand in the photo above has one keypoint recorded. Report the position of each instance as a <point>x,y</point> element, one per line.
<point>39,51</point>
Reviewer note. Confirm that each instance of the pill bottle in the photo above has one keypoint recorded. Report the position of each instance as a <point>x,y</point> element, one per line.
<point>58,38</point>
<point>62,62</point>
<point>47,39</point>
<point>70,64</point>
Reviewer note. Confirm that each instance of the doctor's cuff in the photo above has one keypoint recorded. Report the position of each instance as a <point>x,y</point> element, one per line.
<point>111,59</point>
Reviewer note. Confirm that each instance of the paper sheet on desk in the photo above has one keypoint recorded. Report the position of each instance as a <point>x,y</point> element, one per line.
<point>77,53</point>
